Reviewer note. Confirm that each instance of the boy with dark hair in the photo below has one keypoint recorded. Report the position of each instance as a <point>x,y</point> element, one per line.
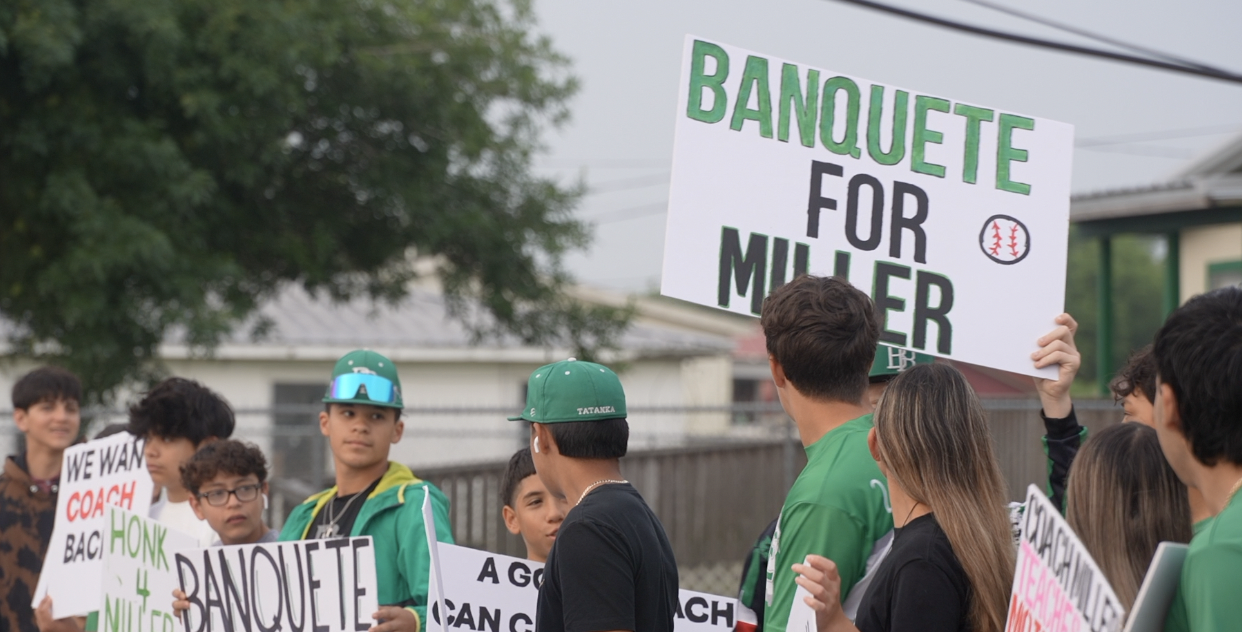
<point>529,510</point>
<point>611,566</point>
<point>1198,414</point>
<point>226,479</point>
<point>822,335</point>
<point>1135,387</point>
<point>46,410</point>
<point>175,419</point>
<point>374,496</point>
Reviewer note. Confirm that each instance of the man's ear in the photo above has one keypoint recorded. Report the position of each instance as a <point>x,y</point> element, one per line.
<point>323,422</point>
<point>547,444</point>
<point>198,508</point>
<point>778,371</point>
<point>511,522</point>
<point>20,420</point>
<point>398,429</point>
<point>1169,416</point>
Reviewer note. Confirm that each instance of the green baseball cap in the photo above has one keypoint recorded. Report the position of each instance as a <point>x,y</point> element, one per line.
<point>364,377</point>
<point>890,361</point>
<point>570,390</point>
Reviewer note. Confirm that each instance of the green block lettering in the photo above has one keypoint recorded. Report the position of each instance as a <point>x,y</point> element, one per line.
<point>848,145</point>
<point>1006,152</point>
<point>754,79</point>
<point>875,113</point>
<point>974,117</point>
<point>922,135</point>
<point>699,80</point>
<point>804,107</point>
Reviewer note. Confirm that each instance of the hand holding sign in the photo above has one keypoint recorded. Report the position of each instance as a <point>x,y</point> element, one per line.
<point>819,578</point>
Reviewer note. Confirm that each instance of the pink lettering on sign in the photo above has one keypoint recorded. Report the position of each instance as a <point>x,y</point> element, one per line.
<point>1039,604</point>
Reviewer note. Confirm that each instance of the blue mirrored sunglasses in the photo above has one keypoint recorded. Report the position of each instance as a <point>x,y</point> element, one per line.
<point>355,385</point>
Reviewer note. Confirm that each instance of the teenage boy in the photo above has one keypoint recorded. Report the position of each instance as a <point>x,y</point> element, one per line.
<point>1198,415</point>
<point>227,481</point>
<point>821,336</point>
<point>45,410</point>
<point>1135,387</point>
<point>611,566</point>
<point>175,419</point>
<point>374,496</point>
<point>530,511</point>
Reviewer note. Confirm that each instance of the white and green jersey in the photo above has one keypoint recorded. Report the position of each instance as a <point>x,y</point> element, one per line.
<point>838,508</point>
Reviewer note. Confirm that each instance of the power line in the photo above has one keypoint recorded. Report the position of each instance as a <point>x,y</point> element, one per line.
<point>633,212</point>
<point>1095,36</point>
<point>625,184</point>
<point>1042,43</point>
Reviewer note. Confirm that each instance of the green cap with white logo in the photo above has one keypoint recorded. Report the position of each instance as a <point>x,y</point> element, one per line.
<point>365,377</point>
<point>570,390</point>
<point>890,361</point>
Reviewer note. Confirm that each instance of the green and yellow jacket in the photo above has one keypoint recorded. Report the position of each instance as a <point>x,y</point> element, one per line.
<point>393,516</point>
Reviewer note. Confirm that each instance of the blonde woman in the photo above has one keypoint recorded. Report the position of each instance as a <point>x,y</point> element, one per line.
<point>1124,499</point>
<point>952,561</point>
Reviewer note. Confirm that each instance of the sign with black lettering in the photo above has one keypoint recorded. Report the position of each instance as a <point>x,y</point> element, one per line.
<point>1057,587</point>
<point>138,575</point>
<point>312,585</point>
<point>93,476</point>
<point>952,216</point>
<point>489,592</point>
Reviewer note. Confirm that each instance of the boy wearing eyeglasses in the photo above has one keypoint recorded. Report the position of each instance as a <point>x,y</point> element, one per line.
<point>374,496</point>
<point>226,480</point>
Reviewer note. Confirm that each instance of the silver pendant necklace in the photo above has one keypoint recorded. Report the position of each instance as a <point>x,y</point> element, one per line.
<point>331,530</point>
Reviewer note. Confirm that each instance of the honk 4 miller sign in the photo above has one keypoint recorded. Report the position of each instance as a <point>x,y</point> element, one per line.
<point>93,476</point>
<point>953,216</point>
<point>138,575</point>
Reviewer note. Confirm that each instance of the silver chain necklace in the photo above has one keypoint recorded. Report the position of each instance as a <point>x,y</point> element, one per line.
<point>330,530</point>
<point>593,486</point>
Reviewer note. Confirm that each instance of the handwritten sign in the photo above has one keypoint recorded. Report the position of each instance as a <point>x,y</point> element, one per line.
<point>138,576</point>
<point>954,217</point>
<point>1155,595</point>
<point>1057,587</point>
<point>320,585</point>
<point>93,476</point>
<point>489,591</point>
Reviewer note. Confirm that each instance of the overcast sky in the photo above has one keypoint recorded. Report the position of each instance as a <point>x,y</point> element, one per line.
<point>628,58</point>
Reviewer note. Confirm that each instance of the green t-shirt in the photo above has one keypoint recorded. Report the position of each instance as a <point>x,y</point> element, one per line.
<point>1207,597</point>
<point>838,508</point>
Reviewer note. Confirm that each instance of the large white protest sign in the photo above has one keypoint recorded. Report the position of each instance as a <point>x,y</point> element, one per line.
<point>138,575</point>
<point>93,476</point>
<point>319,585</point>
<point>496,593</point>
<point>1057,587</point>
<point>954,217</point>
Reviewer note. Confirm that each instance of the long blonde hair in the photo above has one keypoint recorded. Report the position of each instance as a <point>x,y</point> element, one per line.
<point>933,437</point>
<point>1123,499</point>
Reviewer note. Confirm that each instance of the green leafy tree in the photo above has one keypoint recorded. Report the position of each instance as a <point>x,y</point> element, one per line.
<point>1138,279</point>
<point>166,166</point>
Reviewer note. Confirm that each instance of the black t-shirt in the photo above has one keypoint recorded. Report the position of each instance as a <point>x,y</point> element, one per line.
<point>919,587</point>
<point>611,568</point>
<point>341,511</point>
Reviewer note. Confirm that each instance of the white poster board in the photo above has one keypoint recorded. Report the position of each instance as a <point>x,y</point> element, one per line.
<point>953,217</point>
<point>1057,587</point>
<point>93,476</point>
<point>1155,596</point>
<point>322,585</point>
<point>138,575</point>
<point>489,591</point>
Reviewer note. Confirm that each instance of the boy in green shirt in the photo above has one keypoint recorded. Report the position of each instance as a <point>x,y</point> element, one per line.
<point>821,338</point>
<point>1198,418</point>
<point>374,496</point>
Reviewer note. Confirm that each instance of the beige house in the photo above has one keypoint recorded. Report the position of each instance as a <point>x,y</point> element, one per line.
<point>1199,213</point>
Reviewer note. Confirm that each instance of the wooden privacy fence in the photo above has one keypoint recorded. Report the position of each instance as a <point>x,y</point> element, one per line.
<point>715,498</point>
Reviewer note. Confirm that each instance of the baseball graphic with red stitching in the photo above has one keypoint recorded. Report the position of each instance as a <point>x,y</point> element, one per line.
<point>1004,239</point>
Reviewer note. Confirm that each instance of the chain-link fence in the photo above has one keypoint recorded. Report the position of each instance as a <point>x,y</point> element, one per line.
<point>714,493</point>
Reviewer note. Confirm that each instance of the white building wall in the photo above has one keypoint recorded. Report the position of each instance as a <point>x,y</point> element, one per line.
<point>1201,247</point>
